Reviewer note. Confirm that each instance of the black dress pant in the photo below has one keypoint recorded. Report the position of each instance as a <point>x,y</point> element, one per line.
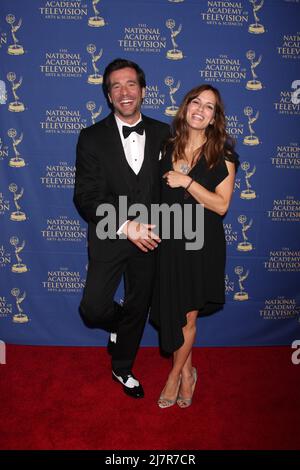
<point>99,310</point>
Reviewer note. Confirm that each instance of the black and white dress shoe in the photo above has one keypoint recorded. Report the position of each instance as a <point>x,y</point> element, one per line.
<point>131,385</point>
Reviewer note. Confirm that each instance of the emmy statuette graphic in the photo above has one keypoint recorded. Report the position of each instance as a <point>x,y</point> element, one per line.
<point>245,245</point>
<point>18,267</point>
<point>95,78</point>
<point>16,161</point>
<point>172,110</point>
<point>15,106</point>
<point>251,139</point>
<point>253,84</point>
<point>15,48</point>
<point>19,317</point>
<point>242,294</point>
<point>256,28</point>
<point>96,21</point>
<point>91,106</point>
<point>175,53</point>
<point>248,193</point>
<point>17,216</point>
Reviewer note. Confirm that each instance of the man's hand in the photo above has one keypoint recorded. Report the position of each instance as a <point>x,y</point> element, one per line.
<point>141,235</point>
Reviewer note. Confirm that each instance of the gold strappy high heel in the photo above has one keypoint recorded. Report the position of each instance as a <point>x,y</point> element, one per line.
<point>167,402</point>
<point>186,402</point>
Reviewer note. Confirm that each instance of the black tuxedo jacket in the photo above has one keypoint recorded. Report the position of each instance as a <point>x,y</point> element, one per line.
<point>102,176</point>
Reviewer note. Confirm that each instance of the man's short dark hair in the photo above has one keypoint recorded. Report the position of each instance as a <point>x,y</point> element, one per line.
<point>119,64</point>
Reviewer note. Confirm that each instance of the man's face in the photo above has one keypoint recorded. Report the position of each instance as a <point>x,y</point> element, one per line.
<point>126,94</point>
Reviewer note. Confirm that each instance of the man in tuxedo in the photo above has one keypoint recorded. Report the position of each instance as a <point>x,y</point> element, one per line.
<point>119,156</point>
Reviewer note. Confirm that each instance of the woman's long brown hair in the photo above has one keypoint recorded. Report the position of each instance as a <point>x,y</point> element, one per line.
<point>218,144</point>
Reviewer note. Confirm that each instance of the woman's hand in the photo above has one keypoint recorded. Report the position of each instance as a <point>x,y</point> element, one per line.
<point>175,179</point>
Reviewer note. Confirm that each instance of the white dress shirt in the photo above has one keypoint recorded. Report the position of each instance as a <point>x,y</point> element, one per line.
<point>134,147</point>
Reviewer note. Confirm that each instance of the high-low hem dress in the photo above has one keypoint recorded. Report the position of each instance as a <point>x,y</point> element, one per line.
<point>189,280</point>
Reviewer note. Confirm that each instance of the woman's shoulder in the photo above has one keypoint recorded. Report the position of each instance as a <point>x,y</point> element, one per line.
<point>232,157</point>
<point>227,156</point>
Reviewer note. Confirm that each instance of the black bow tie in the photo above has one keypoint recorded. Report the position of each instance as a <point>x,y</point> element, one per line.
<point>139,128</point>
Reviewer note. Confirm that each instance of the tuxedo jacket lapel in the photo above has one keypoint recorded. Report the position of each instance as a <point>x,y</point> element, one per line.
<point>149,137</point>
<point>116,150</point>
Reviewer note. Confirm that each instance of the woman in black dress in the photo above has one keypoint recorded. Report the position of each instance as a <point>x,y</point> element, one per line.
<point>198,168</point>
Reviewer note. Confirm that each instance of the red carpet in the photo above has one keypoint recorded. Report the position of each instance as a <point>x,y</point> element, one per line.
<point>64,398</point>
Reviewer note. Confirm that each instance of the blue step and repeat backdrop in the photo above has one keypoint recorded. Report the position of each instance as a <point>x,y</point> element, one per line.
<point>52,55</point>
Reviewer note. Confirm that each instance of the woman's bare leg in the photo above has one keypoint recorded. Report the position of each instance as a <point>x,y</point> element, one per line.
<point>182,365</point>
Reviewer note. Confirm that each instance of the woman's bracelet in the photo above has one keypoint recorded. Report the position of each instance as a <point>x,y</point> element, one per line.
<point>189,184</point>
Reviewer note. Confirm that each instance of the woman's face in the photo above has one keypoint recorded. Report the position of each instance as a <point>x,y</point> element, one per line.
<point>201,110</point>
